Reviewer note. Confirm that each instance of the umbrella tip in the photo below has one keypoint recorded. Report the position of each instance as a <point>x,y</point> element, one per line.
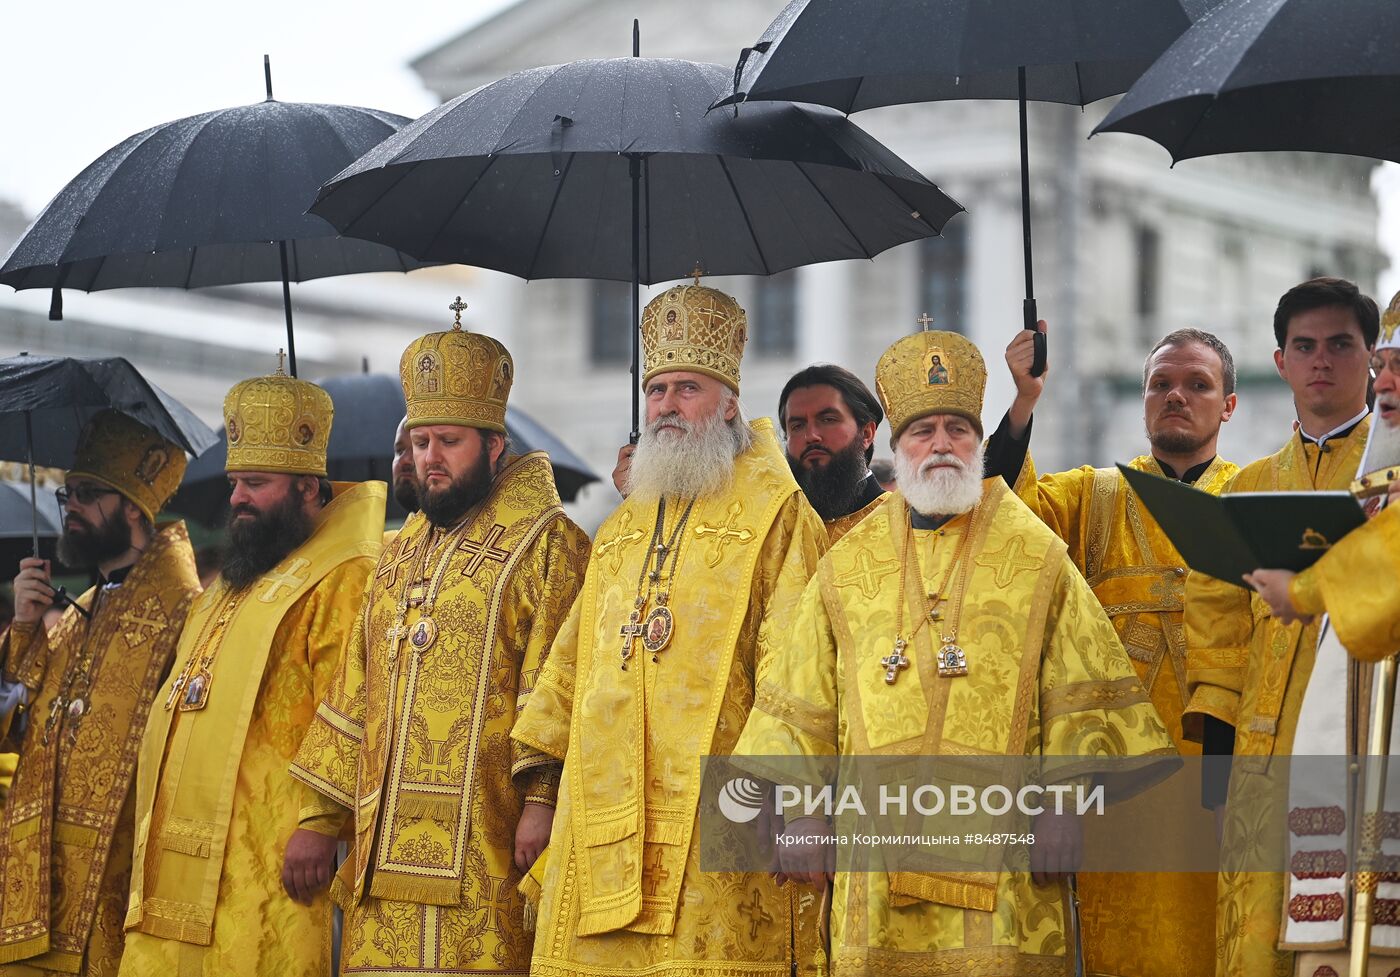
<point>636,38</point>
<point>267,75</point>
<point>458,307</point>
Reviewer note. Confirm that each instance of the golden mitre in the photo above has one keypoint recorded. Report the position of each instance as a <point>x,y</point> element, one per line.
<point>1390,326</point>
<point>931,373</point>
<point>278,424</point>
<point>456,377</point>
<point>697,328</point>
<point>126,455</point>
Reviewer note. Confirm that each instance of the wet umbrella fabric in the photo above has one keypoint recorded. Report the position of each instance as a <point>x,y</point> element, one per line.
<point>213,199</point>
<point>861,54</point>
<point>368,407</point>
<point>17,525</point>
<point>530,175</point>
<point>1262,75</point>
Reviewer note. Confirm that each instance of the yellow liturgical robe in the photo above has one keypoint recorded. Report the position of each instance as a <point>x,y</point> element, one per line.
<point>1355,583</point>
<point>841,525</point>
<point>414,737</point>
<point>1139,578</point>
<point>1249,670</point>
<point>65,841</point>
<point>214,804</point>
<point>622,891</point>
<point>1046,677</point>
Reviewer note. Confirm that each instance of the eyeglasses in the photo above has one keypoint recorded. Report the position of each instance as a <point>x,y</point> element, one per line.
<point>1383,361</point>
<point>83,494</point>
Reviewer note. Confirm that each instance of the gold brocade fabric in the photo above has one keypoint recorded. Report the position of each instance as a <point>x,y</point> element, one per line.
<point>65,839</point>
<point>622,889</point>
<point>214,805</point>
<point>1046,677</point>
<point>841,525</point>
<point>1247,669</point>
<point>1140,579</point>
<point>1355,583</point>
<point>417,745</point>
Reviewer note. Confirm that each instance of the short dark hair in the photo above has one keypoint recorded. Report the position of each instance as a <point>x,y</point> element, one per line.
<point>1182,337</point>
<point>862,404</point>
<point>1323,293</point>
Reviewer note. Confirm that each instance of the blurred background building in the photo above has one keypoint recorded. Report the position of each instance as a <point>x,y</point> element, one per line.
<point>1127,249</point>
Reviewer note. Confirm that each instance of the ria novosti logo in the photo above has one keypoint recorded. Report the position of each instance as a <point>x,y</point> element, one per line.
<point>741,799</point>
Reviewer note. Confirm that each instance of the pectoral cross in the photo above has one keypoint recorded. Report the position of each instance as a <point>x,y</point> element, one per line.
<point>483,551</point>
<point>895,662</point>
<point>629,633</point>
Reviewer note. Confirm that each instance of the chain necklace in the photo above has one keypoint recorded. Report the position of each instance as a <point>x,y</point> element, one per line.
<point>659,624</point>
<point>191,687</point>
<point>951,659</point>
<point>79,670</point>
<point>424,632</point>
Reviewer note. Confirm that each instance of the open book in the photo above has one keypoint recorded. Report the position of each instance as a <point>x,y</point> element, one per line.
<point>1230,535</point>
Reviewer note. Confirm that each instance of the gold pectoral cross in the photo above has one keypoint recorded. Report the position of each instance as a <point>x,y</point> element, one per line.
<point>895,662</point>
<point>629,633</point>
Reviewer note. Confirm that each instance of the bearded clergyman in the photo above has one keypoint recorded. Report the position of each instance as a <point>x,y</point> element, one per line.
<point>66,835</point>
<point>690,585</point>
<point>227,876</point>
<point>412,743</point>
<point>951,622</point>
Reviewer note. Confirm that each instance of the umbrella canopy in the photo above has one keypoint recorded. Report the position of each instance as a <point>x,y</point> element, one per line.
<point>55,396</point>
<point>368,407</point>
<point>17,526</point>
<point>862,54</point>
<point>213,199</point>
<point>533,175</point>
<point>1260,75</point>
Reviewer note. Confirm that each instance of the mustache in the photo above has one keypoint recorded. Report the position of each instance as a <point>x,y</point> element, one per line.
<point>937,460</point>
<point>245,509</point>
<point>671,420</point>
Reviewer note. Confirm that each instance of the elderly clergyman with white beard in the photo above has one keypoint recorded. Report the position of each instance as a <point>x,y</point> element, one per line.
<point>950,622</point>
<point>691,585</point>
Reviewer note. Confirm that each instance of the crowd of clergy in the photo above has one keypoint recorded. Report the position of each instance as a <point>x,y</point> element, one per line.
<point>500,724</point>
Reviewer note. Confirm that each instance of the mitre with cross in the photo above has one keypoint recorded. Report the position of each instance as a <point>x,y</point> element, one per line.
<point>457,377</point>
<point>931,372</point>
<point>278,423</point>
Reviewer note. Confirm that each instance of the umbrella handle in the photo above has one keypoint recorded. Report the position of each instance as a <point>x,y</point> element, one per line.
<point>33,492</point>
<point>1029,317</point>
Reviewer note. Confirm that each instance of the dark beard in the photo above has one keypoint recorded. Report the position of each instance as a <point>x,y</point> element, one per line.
<point>833,488</point>
<point>1176,442</point>
<point>445,507</point>
<point>95,546</point>
<point>256,546</point>
<point>406,494</point>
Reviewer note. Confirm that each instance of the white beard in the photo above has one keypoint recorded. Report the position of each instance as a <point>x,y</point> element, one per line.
<point>941,491</point>
<point>696,461</point>
<point>1383,445</point>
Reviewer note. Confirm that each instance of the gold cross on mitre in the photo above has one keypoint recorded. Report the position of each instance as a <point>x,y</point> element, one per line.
<point>281,355</point>
<point>457,307</point>
<point>697,272</point>
<point>925,320</point>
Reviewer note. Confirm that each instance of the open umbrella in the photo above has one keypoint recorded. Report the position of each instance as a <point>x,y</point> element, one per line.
<point>1260,75</point>
<point>544,173</point>
<point>17,527</point>
<point>861,54</point>
<point>212,199</point>
<point>368,407</point>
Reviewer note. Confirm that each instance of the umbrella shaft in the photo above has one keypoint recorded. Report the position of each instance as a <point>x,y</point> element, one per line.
<point>287,310</point>
<point>33,491</point>
<point>634,168</point>
<point>1025,187</point>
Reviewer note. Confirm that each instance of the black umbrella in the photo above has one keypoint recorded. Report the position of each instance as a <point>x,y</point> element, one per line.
<point>212,199</point>
<point>18,515</point>
<point>368,407</point>
<point>46,400</point>
<point>861,54</point>
<point>544,173</point>
<point>1260,75</point>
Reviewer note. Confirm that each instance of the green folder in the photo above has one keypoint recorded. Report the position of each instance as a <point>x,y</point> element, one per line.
<point>1230,535</point>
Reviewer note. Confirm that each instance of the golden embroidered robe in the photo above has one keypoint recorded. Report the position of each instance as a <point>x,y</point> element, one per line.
<point>65,838</point>
<point>1355,584</point>
<point>416,745</point>
<point>1246,668</point>
<point>841,525</point>
<point>622,888</point>
<point>1046,677</point>
<point>1139,578</point>
<point>214,804</point>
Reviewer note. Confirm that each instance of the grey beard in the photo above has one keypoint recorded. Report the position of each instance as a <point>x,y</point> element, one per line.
<point>1382,445</point>
<point>939,493</point>
<point>698,461</point>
